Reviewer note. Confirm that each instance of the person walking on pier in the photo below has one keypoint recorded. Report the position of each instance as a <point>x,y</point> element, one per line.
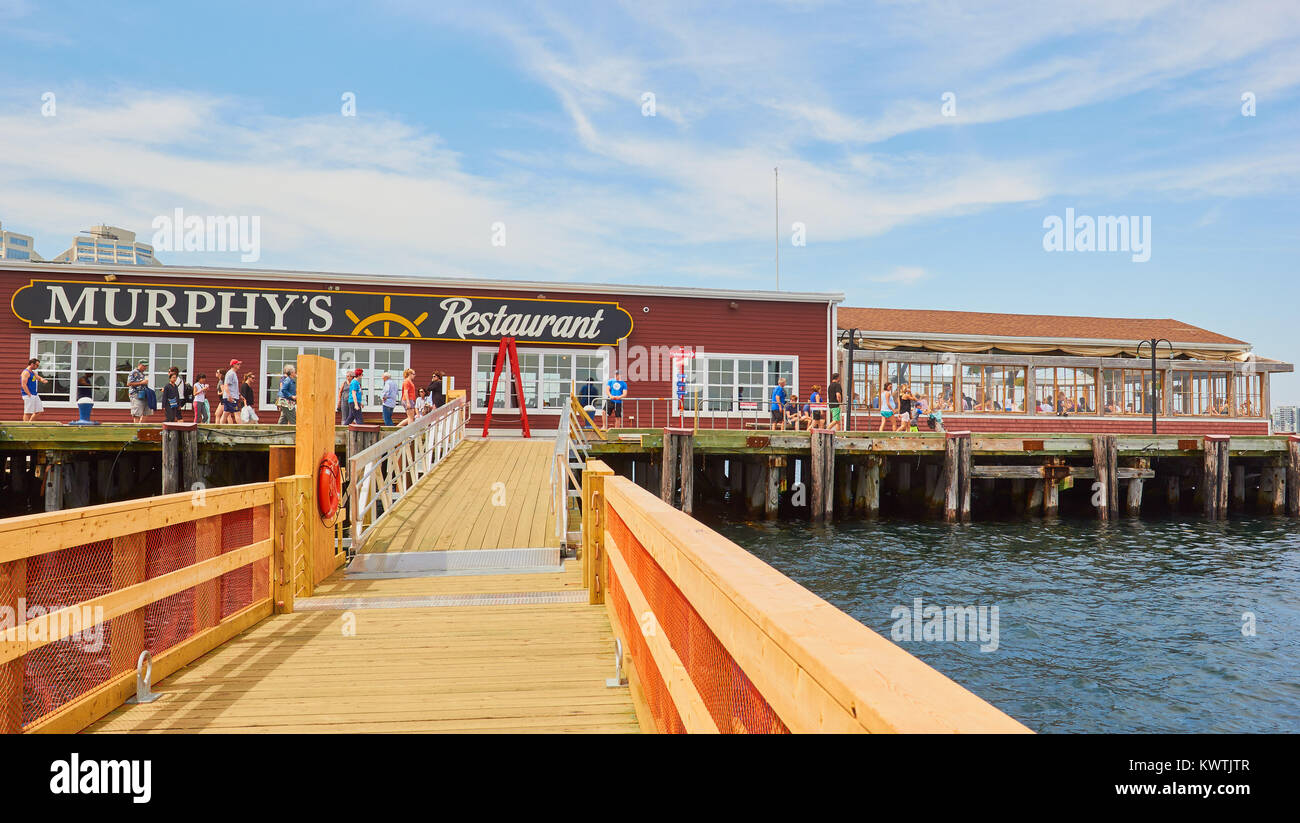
<point>27,381</point>
<point>354,413</point>
<point>172,398</point>
<point>137,383</point>
<point>778,404</point>
<point>202,412</point>
<point>248,399</point>
<point>408,396</point>
<point>286,398</point>
<point>422,403</point>
<point>434,394</point>
<point>388,398</point>
<point>230,393</point>
<point>614,391</point>
<point>835,393</point>
<point>815,399</point>
<point>905,399</point>
<point>886,404</point>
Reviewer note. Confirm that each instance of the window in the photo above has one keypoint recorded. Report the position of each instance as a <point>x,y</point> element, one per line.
<point>993,388</point>
<point>1066,390</point>
<point>372,360</point>
<point>1128,391</point>
<point>933,381</point>
<point>866,385</point>
<point>726,383</point>
<point>18,241</point>
<point>105,363</point>
<point>549,377</point>
<point>1250,395</point>
<point>1200,392</point>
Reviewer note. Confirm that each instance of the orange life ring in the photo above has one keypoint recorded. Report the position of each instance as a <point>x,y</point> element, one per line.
<point>329,486</point>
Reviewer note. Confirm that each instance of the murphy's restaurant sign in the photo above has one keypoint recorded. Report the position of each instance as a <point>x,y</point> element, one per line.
<point>150,307</point>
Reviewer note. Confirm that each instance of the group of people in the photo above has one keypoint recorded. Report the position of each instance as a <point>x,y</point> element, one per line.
<point>235,398</point>
<point>903,410</point>
<point>822,409</point>
<point>412,400</point>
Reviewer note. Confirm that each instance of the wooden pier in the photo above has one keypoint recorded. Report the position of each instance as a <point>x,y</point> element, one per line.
<point>824,474</point>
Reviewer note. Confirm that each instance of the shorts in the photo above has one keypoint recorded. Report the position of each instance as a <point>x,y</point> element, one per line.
<point>778,416</point>
<point>230,406</point>
<point>32,404</point>
<point>835,414</point>
<point>139,408</point>
<point>614,408</point>
<point>886,414</point>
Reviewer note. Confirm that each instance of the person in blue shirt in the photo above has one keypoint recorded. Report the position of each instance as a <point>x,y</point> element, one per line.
<point>778,404</point>
<point>354,400</point>
<point>391,394</point>
<point>615,389</point>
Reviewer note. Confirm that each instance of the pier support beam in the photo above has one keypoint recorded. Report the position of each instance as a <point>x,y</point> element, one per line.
<point>1133,500</point>
<point>180,457</point>
<point>957,476</point>
<point>678,468</point>
<point>1272,489</point>
<point>1106,487</point>
<point>843,487</point>
<point>53,482</point>
<point>1293,476</point>
<point>1174,491</point>
<point>776,467</point>
<point>866,487</point>
<point>1216,476</point>
<point>822,468</point>
<point>1238,487</point>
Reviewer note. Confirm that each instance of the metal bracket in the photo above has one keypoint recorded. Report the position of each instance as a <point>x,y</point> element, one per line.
<point>618,679</point>
<point>143,678</point>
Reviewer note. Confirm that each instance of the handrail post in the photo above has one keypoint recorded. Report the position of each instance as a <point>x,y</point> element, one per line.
<point>593,530</point>
<point>284,558</point>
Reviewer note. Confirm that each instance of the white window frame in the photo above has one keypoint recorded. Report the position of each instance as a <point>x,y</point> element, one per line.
<point>353,343</point>
<point>764,402</point>
<point>476,408</point>
<point>74,339</point>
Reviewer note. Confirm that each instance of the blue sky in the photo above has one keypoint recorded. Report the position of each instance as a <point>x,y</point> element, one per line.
<point>531,115</point>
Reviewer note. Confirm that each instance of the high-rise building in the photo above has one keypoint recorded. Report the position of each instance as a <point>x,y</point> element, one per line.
<point>15,246</point>
<point>1286,419</point>
<point>108,244</point>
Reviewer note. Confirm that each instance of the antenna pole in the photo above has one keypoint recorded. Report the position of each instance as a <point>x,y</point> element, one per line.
<point>776,222</point>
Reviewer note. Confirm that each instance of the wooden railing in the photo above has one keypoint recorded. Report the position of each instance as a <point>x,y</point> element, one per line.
<point>718,641</point>
<point>380,475</point>
<point>572,445</point>
<point>83,592</point>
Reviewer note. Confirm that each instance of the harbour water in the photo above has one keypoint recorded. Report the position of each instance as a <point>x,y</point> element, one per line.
<point>1131,626</point>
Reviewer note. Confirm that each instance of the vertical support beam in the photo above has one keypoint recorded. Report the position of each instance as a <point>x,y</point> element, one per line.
<point>1216,476</point>
<point>1018,495</point>
<point>1174,491</point>
<point>593,529</point>
<point>871,486</point>
<point>1133,500</point>
<point>668,469</point>
<point>772,487</point>
<point>903,477</point>
<point>1105,486</point>
<point>180,457</point>
<point>1273,482</point>
<point>822,468</point>
<point>1238,487</point>
<point>1052,490</point>
<point>678,468</point>
<point>314,437</point>
<point>284,510</point>
<point>843,486</point>
<point>957,476</point>
<point>1035,505</point>
<point>13,592</point>
<point>686,469</point>
<point>53,482</point>
<point>1293,475</point>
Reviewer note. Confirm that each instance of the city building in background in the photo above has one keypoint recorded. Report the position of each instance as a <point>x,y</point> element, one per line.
<point>15,246</point>
<point>1286,419</point>
<point>108,244</point>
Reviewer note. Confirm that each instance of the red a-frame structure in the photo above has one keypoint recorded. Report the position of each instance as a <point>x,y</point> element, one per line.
<point>507,348</point>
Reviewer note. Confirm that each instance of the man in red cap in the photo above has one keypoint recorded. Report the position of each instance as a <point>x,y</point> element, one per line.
<point>354,414</point>
<point>230,393</point>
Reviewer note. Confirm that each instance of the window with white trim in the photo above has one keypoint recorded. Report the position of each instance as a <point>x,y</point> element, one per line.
<point>548,377</point>
<point>737,383</point>
<point>105,363</point>
<point>374,360</point>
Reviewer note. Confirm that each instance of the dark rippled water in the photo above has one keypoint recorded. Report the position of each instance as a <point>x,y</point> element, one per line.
<point>1133,626</point>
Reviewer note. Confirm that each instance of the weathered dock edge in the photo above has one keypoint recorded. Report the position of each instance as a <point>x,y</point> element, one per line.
<point>731,644</point>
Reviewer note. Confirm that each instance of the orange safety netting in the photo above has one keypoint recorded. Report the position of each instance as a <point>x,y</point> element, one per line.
<point>730,697</point>
<point>53,675</point>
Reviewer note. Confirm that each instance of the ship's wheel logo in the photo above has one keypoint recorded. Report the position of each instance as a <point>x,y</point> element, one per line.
<point>388,318</point>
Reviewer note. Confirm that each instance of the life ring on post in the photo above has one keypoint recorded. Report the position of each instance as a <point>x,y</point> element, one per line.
<point>329,486</point>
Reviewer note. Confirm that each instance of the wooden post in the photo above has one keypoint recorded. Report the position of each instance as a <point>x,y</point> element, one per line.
<point>280,463</point>
<point>1133,502</point>
<point>53,482</point>
<point>1104,458</point>
<point>593,529</point>
<point>314,438</point>
<point>903,477</point>
<point>871,486</point>
<point>1293,476</point>
<point>668,471</point>
<point>957,476</point>
<point>1238,487</point>
<point>1272,489</point>
<point>1216,476</point>
<point>686,456</point>
<point>13,591</point>
<point>843,486</point>
<point>180,457</point>
<point>678,468</point>
<point>772,487</point>
<point>821,466</point>
<point>1035,504</point>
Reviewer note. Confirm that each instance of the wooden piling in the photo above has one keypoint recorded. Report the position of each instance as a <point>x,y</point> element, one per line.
<point>1216,476</point>
<point>1238,487</point>
<point>180,456</point>
<point>957,476</point>
<point>772,486</point>
<point>1035,505</point>
<point>1174,491</point>
<point>1293,476</point>
<point>53,482</point>
<point>1133,500</point>
<point>1272,489</point>
<point>821,467</point>
<point>843,486</point>
<point>677,468</point>
<point>1106,486</point>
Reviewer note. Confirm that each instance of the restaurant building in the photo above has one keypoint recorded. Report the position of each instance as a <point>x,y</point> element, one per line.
<point>1015,372</point>
<point>93,322</point>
